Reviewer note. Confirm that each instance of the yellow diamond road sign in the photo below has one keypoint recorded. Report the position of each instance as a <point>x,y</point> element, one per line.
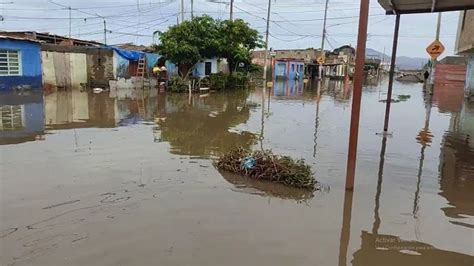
<point>320,60</point>
<point>435,49</point>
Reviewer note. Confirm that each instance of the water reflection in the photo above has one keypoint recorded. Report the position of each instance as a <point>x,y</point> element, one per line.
<point>340,90</point>
<point>385,249</point>
<point>265,188</point>
<point>203,127</point>
<point>288,87</point>
<point>303,123</point>
<point>76,109</point>
<point>424,138</point>
<point>456,165</point>
<point>21,117</point>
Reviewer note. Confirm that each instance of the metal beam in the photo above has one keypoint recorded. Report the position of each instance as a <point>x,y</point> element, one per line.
<point>394,8</point>
<point>433,5</point>
<point>392,72</point>
<point>357,94</point>
<point>427,10</point>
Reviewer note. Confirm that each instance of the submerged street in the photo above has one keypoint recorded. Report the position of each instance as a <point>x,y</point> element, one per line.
<point>126,177</point>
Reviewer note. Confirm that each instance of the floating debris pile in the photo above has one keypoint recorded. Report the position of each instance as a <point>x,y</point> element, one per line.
<point>265,165</point>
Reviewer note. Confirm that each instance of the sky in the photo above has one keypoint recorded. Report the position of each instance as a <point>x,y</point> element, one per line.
<point>294,24</point>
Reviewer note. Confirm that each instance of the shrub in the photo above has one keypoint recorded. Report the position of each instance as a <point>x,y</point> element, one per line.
<point>178,84</point>
<point>222,81</point>
<point>218,81</point>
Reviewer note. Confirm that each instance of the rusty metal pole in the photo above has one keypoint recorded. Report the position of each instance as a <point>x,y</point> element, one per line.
<point>357,94</point>
<point>392,72</point>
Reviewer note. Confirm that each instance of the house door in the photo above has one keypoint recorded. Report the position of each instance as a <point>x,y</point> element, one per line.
<point>207,68</point>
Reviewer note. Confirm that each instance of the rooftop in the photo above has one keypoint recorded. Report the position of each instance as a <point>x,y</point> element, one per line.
<point>393,7</point>
<point>48,38</point>
<point>17,38</point>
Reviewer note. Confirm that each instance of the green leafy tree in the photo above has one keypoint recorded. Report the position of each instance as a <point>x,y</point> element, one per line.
<point>237,40</point>
<point>204,37</point>
<point>189,42</point>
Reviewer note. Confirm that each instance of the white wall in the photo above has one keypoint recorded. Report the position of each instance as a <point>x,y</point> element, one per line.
<point>78,69</point>
<point>66,70</point>
<point>200,67</point>
<point>469,88</point>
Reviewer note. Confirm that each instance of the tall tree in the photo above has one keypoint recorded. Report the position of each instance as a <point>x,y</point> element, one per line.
<point>204,37</point>
<point>236,41</point>
<point>189,42</point>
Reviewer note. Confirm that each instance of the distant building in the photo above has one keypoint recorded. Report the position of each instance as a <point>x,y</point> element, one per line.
<point>337,63</point>
<point>465,46</point>
<point>451,73</point>
<point>308,55</point>
<point>340,62</point>
<point>20,63</point>
<point>288,68</point>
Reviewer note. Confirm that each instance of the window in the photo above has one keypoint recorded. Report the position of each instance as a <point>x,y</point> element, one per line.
<point>11,117</point>
<point>10,63</point>
<point>292,67</point>
<point>208,68</point>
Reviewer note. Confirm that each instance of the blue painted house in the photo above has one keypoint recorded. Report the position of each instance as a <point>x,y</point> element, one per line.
<point>288,69</point>
<point>20,63</point>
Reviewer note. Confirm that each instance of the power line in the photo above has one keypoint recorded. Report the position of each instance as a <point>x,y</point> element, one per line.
<point>334,18</point>
<point>287,40</point>
<point>134,25</point>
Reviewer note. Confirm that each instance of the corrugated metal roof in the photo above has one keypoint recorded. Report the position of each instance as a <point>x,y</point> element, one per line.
<point>48,38</point>
<point>424,6</point>
<point>18,39</point>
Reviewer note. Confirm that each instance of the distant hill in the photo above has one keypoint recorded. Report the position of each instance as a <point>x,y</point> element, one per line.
<point>403,62</point>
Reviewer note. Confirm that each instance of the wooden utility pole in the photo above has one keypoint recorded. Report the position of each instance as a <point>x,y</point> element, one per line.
<point>105,32</point>
<point>70,22</point>
<point>182,11</point>
<point>231,10</point>
<point>266,42</point>
<point>438,26</point>
<point>433,62</point>
<point>323,54</point>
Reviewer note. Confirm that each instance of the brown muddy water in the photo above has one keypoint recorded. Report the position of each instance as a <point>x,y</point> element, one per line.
<point>126,178</point>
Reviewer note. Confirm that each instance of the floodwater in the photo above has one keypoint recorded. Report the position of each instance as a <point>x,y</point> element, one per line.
<point>127,178</point>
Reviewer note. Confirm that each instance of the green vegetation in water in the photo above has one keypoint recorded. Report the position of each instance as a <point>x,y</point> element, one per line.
<point>404,97</point>
<point>221,81</point>
<point>268,166</point>
<point>178,84</point>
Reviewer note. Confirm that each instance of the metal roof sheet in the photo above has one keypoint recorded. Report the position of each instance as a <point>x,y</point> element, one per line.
<point>18,39</point>
<point>424,6</point>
